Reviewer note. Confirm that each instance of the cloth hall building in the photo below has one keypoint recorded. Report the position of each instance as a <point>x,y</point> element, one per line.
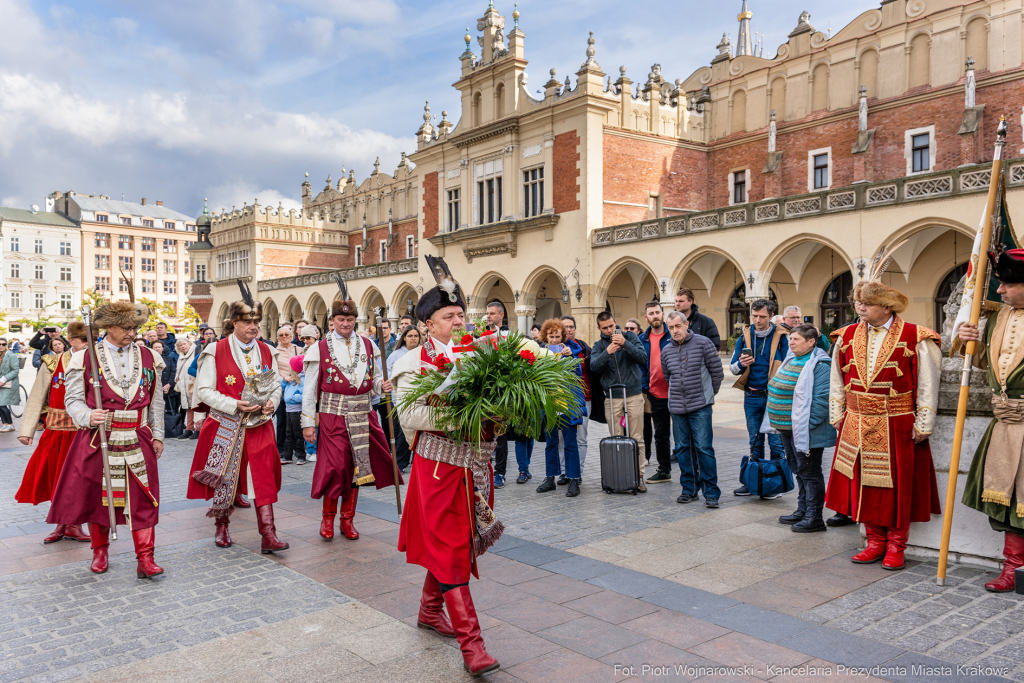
<point>755,176</point>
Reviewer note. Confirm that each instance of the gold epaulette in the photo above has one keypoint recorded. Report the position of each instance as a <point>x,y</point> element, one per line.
<point>51,360</point>
<point>925,333</point>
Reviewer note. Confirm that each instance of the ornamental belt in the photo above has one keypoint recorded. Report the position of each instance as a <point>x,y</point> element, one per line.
<point>355,409</point>
<point>866,434</point>
<point>58,420</point>
<point>476,458</point>
<point>124,453</point>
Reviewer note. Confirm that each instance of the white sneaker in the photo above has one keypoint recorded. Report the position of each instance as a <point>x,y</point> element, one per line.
<point>311,458</point>
<point>777,495</point>
<point>7,428</point>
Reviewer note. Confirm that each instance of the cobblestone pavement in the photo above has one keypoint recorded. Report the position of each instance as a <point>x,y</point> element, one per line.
<point>584,589</point>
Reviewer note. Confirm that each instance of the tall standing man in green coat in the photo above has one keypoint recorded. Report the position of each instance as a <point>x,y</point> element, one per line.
<point>995,484</point>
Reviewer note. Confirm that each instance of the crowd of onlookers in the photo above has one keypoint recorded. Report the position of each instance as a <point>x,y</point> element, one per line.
<point>654,379</point>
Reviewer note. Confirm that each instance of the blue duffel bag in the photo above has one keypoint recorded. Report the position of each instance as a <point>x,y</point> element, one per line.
<point>766,477</point>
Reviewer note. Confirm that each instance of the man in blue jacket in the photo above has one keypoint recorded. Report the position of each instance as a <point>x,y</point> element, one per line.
<point>759,353</point>
<point>620,359</point>
<point>655,339</point>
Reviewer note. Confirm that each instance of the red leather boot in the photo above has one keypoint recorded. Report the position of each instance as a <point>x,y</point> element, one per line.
<point>100,536</point>
<point>432,614</point>
<point>241,502</point>
<point>1013,551</point>
<point>897,543</point>
<point>348,511</point>
<point>73,532</point>
<point>265,522</point>
<point>875,550</point>
<point>221,536</point>
<point>327,525</point>
<point>467,630</point>
<point>145,539</point>
<point>56,535</point>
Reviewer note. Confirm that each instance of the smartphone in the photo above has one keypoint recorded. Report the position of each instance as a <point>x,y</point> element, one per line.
<point>746,352</point>
<point>556,348</point>
<point>49,329</point>
<point>618,330</point>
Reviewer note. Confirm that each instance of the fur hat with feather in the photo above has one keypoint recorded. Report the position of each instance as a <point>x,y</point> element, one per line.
<point>448,292</point>
<point>871,291</point>
<point>76,330</point>
<point>126,314</point>
<point>246,310</point>
<point>344,305</point>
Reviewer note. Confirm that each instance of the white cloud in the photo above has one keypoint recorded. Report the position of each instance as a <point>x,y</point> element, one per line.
<point>241,193</point>
<point>124,26</point>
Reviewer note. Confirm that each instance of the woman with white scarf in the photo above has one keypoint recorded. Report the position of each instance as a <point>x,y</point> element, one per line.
<point>184,383</point>
<point>798,413</point>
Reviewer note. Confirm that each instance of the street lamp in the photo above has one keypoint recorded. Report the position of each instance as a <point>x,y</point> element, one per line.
<point>565,284</point>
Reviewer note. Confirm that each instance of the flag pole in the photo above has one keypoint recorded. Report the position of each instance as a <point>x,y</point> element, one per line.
<point>980,293</point>
<point>98,395</point>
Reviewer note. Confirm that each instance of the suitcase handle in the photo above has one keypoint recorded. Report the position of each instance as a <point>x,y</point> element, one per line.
<point>611,401</point>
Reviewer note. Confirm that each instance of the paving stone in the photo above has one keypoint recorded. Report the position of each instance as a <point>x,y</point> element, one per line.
<point>840,648</point>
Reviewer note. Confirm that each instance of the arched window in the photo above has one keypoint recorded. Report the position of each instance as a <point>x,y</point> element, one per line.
<point>869,72</point>
<point>836,308</point>
<point>977,42</point>
<point>477,114</point>
<point>779,99</point>
<point>920,61</point>
<point>945,289</point>
<point>819,99</point>
<point>739,111</point>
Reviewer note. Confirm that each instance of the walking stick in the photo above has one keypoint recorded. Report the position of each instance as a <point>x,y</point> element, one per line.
<point>387,406</point>
<point>98,395</point>
<point>980,293</point>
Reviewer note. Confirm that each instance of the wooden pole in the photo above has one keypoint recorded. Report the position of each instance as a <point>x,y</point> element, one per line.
<point>98,395</point>
<point>386,398</point>
<point>980,293</point>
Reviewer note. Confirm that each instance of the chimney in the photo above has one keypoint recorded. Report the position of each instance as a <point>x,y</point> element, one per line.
<point>159,203</point>
<point>143,201</point>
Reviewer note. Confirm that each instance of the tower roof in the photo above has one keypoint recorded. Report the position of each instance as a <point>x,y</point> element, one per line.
<point>744,46</point>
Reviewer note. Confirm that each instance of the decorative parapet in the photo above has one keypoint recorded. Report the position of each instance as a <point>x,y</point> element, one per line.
<point>495,238</point>
<point>964,180</point>
<point>328,276</point>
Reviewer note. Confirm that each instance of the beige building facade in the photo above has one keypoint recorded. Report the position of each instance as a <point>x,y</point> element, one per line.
<point>605,193</point>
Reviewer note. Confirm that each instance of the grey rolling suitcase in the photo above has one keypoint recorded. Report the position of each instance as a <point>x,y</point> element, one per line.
<point>620,463</point>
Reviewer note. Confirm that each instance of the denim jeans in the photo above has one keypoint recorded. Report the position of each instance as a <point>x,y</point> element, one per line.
<point>695,428</point>
<point>806,468</point>
<point>524,451</point>
<point>581,442</point>
<point>754,407</point>
<point>572,453</point>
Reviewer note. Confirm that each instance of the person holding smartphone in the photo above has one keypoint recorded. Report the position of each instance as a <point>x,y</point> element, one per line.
<point>759,353</point>
<point>41,343</point>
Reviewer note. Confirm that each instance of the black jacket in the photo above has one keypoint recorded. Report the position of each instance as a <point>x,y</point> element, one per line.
<point>620,368</point>
<point>704,326</point>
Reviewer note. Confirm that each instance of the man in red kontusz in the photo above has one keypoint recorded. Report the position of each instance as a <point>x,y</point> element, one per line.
<point>239,387</point>
<point>342,371</point>
<point>440,530</point>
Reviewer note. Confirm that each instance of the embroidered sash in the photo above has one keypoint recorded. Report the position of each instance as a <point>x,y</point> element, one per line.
<point>125,454</point>
<point>223,462</point>
<point>356,411</point>
<point>1004,464</point>
<point>866,431</point>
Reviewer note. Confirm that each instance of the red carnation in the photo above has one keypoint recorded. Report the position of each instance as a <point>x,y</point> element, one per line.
<point>487,333</point>
<point>442,362</point>
<point>528,356</point>
<point>466,339</point>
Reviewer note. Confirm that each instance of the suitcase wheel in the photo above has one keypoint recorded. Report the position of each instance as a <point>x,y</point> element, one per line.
<point>635,492</point>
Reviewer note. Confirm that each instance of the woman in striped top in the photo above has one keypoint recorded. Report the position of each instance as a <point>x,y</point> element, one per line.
<point>798,412</point>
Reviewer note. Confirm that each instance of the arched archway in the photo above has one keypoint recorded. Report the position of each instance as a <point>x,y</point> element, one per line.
<point>271,319</point>
<point>802,269</point>
<point>222,315</point>
<point>739,311</point>
<point>627,287</point>
<point>405,300</point>
<point>543,292</point>
<point>316,309</point>
<point>372,299</point>
<point>291,311</point>
<point>494,287</point>
<point>712,275</point>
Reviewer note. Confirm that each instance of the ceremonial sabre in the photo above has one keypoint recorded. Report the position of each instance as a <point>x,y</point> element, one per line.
<point>387,405</point>
<point>98,395</point>
<point>980,290</point>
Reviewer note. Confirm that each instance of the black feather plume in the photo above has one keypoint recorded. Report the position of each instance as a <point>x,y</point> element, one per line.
<point>246,294</point>
<point>342,286</point>
<point>443,276</point>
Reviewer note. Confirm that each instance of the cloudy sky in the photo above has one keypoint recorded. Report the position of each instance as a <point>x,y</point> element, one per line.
<point>234,99</point>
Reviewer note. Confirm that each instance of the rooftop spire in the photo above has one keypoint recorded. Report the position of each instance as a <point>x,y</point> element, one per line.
<point>744,45</point>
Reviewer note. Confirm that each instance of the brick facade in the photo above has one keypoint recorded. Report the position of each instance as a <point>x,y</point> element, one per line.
<point>566,190</point>
<point>396,252</point>
<point>431,212</point>
<point>637,165</point>
<point>289,262</point>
